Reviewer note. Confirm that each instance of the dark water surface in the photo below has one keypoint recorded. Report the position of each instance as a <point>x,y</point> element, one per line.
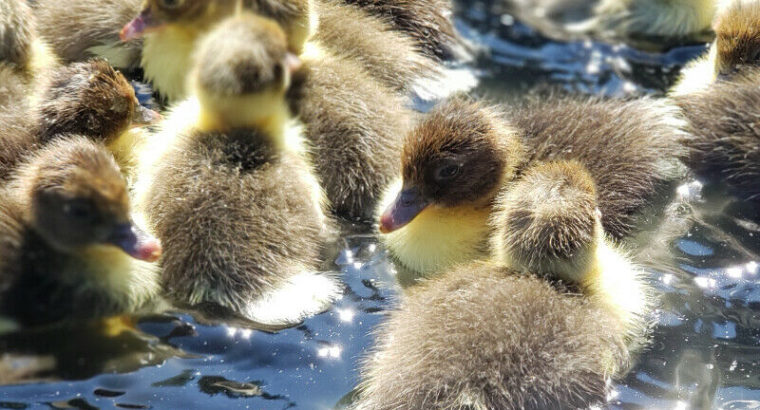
<point>706,346</point>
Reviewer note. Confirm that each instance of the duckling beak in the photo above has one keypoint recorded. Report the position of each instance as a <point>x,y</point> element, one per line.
<point>145,116</point>
<point>139,26</point>
<point>408,204</point>
<point>135,242</point>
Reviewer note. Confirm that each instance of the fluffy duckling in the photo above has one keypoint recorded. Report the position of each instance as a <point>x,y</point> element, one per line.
<point>171,29</point>
<point>737,44</point>
<point>724,120</point>
<point>232,197</point>
<point>68,248</point>
<point>429,22</point>
<point>90,99</point>
<point>78,30</point>
<point>651,18</point>
<point>486,337</point>
<point>456,161</point>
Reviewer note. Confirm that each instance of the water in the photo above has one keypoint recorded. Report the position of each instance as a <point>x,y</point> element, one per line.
<point>705,349</point>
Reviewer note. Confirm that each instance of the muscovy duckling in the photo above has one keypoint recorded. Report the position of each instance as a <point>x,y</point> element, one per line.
<point>651,18</point>
<point>724,120</point>
<point>486,337</point>
<point>457,160</point>
<point>172,28</point>
<point>68,248</point>
<point>736,45</point>
<point>429,22</point>
<point>90,99</point>
<point>78,30</point>
<point>232,196</point>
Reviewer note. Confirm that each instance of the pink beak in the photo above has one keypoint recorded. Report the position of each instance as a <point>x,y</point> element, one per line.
<point>138,26</point>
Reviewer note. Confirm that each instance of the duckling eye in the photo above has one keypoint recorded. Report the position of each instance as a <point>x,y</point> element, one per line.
<point>171,4</point>
<point>447,172</point>
<point>79,210</point>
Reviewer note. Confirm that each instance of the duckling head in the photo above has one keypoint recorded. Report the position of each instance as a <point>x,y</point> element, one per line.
<point>91,99</point>
<point>548,222</point>
<point>77,199</point>
<point>295,16</point>
<point>737,41</point>
<point>242,72</point>
<point>458,156</point>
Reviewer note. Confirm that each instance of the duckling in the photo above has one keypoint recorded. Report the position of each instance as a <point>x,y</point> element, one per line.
<point>736,44</point>
<point>68,247</point>
<point>232,197</point>
<point>723,118</point>
<point>651,18</point>
<point>171,29</point>
<point>90,99</point>
<point>78,30</point>
<point>428,22</point>
<point>455,162</point>
<point>486,337</point>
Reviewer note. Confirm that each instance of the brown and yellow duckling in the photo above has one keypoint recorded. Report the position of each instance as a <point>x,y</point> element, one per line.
<point>172,28</point>
<point>68,247</point>
<point>232,196</point>
<point>736,45</point>
<point>457,160</point>
<point>90,99</point>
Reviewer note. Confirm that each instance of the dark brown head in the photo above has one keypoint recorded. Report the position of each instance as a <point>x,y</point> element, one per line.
<point>200,15</point>
<point>92,99</point>
<point>737,41</point>
<point>16,33</point>
<point>459,155</point>
<point>76,197</point>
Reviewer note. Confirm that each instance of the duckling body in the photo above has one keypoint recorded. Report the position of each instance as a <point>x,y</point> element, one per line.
<point>354,126</point>
<point>429,22</point>
<point>464,153</point>
<point>736,45</point>
<point>66,239</point>
<point>726,143</point>
<point>487,337</point>
<point>653,18</point>
<point>232,196</point>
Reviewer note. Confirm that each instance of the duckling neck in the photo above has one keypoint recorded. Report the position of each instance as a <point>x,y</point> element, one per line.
<point>269,115</point>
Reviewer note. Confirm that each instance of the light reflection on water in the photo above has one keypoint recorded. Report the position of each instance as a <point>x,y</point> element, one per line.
<point>705,348</point>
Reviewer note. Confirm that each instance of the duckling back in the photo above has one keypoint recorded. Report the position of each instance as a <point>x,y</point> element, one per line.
<point>632,149</point>
<point>486,337</point>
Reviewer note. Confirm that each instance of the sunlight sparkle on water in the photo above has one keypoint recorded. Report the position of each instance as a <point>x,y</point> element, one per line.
<point>332,352</point>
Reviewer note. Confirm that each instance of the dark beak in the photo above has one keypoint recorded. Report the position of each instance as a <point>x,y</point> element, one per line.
<point>135,242</point>
<point>144,116</point>
<point>408,204</point>
<point>139,26</point>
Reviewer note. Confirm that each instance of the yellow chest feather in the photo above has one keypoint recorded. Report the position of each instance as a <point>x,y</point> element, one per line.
<point>167,60</point>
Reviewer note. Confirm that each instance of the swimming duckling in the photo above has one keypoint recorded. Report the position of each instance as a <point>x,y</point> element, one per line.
<point>429,22</point>
<point>457,160</point>
<point>723,118</point>
<point>171,29</point>
<point>232,197</point>
<point>487,337</point>
<point>651,18</point>
<point>90,99</point>
<point>737,44</point>
<point>68,248</point>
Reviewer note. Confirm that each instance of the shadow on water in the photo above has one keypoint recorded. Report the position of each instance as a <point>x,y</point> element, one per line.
<point>705,348</point>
